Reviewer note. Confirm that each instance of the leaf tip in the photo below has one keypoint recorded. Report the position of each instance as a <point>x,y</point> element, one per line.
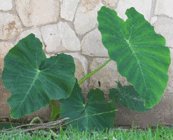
<point>131,11</point>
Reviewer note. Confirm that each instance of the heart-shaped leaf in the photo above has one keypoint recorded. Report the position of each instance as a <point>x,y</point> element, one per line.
<point>33,80</point>
<point>128,97</point>
<point>140,53</point>
<point>94,114</point>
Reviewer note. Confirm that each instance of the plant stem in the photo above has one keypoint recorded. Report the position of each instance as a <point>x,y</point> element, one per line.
<point>87,76</point>
<point>53,104</point>
<point>55,110</point>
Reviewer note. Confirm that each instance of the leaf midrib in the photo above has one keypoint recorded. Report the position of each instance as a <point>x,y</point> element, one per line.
<point>137,60</point>
<point>32,84</point>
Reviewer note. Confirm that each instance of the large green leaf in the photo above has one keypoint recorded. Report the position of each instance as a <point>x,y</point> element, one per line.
<point>96,113</point>
<point>140,53</point>
<point>128,97</point>
<point>33,80</point>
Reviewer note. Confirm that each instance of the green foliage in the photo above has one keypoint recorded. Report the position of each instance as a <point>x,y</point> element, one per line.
<point>34,80</point>
<point>95,113</point>
<point>128,97</point>
<point>140,53</point>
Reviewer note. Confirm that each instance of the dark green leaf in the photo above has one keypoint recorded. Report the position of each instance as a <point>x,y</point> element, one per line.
<point>140,53</point>
<point>33,80</point>
<point>128,97</point>
<point>95,114</point>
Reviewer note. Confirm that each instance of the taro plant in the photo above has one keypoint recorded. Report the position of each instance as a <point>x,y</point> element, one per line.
<point>141,56</point>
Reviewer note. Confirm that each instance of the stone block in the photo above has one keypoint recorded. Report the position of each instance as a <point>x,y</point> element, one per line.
<point>60,37</point>
<point>110,3</point>
<point>37,12</point>
<point>164,26</point>
<point>92,44</point>
<point>86,16</point>
<point>10,26</point>
<point>6,5</point>
<point>68,9</point>
<point>164,8</point>
<point>107,77</point>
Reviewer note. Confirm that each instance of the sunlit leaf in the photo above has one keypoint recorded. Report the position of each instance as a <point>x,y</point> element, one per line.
<point>139,51</point>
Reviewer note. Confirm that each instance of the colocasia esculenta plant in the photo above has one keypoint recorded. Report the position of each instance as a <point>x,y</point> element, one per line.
<point>35,81</point>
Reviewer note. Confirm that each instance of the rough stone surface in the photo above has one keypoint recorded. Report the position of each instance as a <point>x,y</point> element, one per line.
<point>6,5</point>
<point>164,8</point>
<point>143,6</point>
<point>153,20</point>
<point>84,65</point>
<point>4,109</point>
<point>60,37</point>
<point>107,77</point>
<point>164,26</point>
<point>110,3</point>
<point>170,83</point>
<point>91,43</point>
<point>160,114</point>
<point>37,12</point>
<point>52,38</point>
<point>4,48</point>
<point>81,64</point>
<point>88,5</point>
<point>68,9</point>
<point>10,26</point>
<point>69,38</point>
<point>86,16</point>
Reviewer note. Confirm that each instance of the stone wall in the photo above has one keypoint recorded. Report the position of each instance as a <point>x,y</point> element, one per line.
<point>70,26</point>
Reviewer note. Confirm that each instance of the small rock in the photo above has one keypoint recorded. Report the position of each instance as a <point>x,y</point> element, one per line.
<point>52,38</point>
<point>164,26</point>
<point>6,5</point>
<point>92,44</point>
<point>68,9</point>
<point>164,8</point>
<point>10,26</point>
<point>4,48</point>
<point>170,83</point>
<point>153,19</point>
<point>60,37</point>
<point>88,5</point>
<point>37,12</point>
<point>86,17</point>
<point>69,38</point>
<point>110,3</point>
